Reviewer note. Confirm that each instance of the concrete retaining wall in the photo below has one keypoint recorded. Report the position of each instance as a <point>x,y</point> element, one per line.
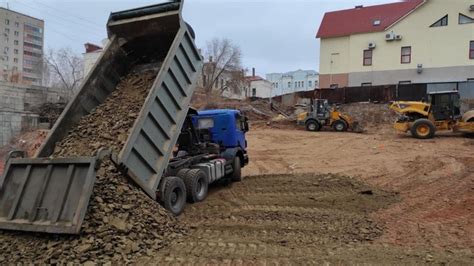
<point>18,105</point>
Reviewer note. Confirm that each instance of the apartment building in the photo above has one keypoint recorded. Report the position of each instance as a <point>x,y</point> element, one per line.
<point>21,48</point>
<point>411,41</point>
<point>293,81</point>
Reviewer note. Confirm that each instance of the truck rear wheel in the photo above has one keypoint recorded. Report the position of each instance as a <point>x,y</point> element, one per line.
<point>197,185</point>
<point>423,129</point>
<point>173,194</point>
<point>237,170</point>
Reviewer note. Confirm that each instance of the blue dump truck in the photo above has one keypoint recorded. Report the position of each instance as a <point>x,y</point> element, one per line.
<point>172,152</point>
<point>212,146</point>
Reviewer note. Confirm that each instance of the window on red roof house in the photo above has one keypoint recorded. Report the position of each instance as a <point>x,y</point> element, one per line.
<point>406,55</point>
<point>367,57</point>
<point>471,50</point>
<point>441,23</point>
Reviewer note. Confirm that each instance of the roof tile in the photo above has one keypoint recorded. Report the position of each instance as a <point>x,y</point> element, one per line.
<point>361,20</point>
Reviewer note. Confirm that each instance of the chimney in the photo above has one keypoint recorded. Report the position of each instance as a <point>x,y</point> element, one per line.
<point>253,72</point>
<point>91,47</point>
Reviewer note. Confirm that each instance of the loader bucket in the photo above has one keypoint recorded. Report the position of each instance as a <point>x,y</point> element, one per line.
<point>357,128</point>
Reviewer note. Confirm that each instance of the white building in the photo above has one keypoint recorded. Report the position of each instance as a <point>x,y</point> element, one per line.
<point>21,48</point>
<point>258,87</point>
<point>299,80</point>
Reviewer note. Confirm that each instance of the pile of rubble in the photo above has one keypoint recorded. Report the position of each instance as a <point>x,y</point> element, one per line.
<point>122,223</point>
<point>50,112</point>
<point>372,117</point>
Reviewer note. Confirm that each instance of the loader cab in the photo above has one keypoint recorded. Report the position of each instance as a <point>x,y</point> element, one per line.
<point>320,109</point>
<point>227,128</point>
<point>445,105</point>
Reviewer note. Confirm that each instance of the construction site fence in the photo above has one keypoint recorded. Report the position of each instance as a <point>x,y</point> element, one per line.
<point>380,94</point>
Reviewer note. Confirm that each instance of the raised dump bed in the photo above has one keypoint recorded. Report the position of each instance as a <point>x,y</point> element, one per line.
<point>153,37</point>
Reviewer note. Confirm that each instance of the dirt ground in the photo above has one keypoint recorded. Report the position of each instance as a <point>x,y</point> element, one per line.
<point>338,198</point>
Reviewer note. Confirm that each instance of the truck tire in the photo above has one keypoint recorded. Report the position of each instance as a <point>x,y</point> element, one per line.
<point>340,126</point>
<point>173,194</point>
<point>423,129</point>
<point>236,170</point>
<point>313,126</point>
<point>197,185</point>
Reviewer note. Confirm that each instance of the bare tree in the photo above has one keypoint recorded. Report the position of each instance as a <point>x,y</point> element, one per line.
<point>65,69</point>
<point>224,59</point>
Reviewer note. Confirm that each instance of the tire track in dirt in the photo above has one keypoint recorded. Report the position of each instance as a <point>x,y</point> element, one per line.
<point>240,225</point>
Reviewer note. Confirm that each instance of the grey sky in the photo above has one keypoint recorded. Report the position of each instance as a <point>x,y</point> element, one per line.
<point>275,35</point>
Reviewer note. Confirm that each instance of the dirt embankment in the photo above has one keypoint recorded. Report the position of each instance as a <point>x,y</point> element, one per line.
<point>122,223</point>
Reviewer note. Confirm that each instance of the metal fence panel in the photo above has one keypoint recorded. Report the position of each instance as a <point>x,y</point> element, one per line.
<point>411,92</point>
<point>43,195</point>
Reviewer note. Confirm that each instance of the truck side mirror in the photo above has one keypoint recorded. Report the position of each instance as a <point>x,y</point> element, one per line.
<point>246,125</point>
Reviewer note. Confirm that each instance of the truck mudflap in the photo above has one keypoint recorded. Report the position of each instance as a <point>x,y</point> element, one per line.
<point>47,195</point>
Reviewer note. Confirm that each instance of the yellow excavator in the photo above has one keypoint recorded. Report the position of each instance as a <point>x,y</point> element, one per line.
<point>321,114</point>
<point>442,112</point>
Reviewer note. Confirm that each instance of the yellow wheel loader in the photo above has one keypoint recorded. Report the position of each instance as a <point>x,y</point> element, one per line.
<point>442,112</point>
<point>321,114</point>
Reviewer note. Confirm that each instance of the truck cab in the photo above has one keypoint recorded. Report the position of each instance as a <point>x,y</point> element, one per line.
<point>211,146</point>
<point>226,128</point>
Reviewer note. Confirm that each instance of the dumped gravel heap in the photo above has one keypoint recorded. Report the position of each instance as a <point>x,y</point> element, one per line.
<point>50,112</point>
<point>122,223</point>
<point>372,117</point>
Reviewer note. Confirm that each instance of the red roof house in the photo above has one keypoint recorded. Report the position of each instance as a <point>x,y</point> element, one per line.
<point>365,19</point>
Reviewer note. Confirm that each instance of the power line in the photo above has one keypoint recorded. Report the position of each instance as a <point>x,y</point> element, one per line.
<point>59,18</point>
<point>62,11</point>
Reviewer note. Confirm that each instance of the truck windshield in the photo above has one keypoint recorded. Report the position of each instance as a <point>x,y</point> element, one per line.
<point>205,123</point>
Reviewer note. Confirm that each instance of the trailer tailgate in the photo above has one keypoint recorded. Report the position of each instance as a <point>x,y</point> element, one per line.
<point>46,195</point>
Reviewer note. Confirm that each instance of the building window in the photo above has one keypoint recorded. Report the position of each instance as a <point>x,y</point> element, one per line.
<point>276,85</point>
<point>254,92</point>
<point>406,55</point>
<point>302,84</point>
<point>289,84</point>
<point>471,50</point>
<point>463,19</point>
<point>7,30</point>
<point>15,60</point>
<point>15,42</point>
<point>7,22</point>
<point>367,57</point>
<point>310,84</point>
<point>440,23</point>
<point>15,51</point>
<point>17,24</point>
<point>17,33</point>
<point>366,84</point>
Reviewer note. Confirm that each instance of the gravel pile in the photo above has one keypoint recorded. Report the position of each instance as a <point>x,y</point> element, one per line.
<point>50,112</point>
<point>122,223</point>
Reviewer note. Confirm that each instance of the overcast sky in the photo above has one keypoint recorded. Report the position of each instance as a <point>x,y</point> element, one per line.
<point>274,35</point>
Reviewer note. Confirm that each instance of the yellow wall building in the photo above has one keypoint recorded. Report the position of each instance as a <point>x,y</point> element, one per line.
<point>412,41</point>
